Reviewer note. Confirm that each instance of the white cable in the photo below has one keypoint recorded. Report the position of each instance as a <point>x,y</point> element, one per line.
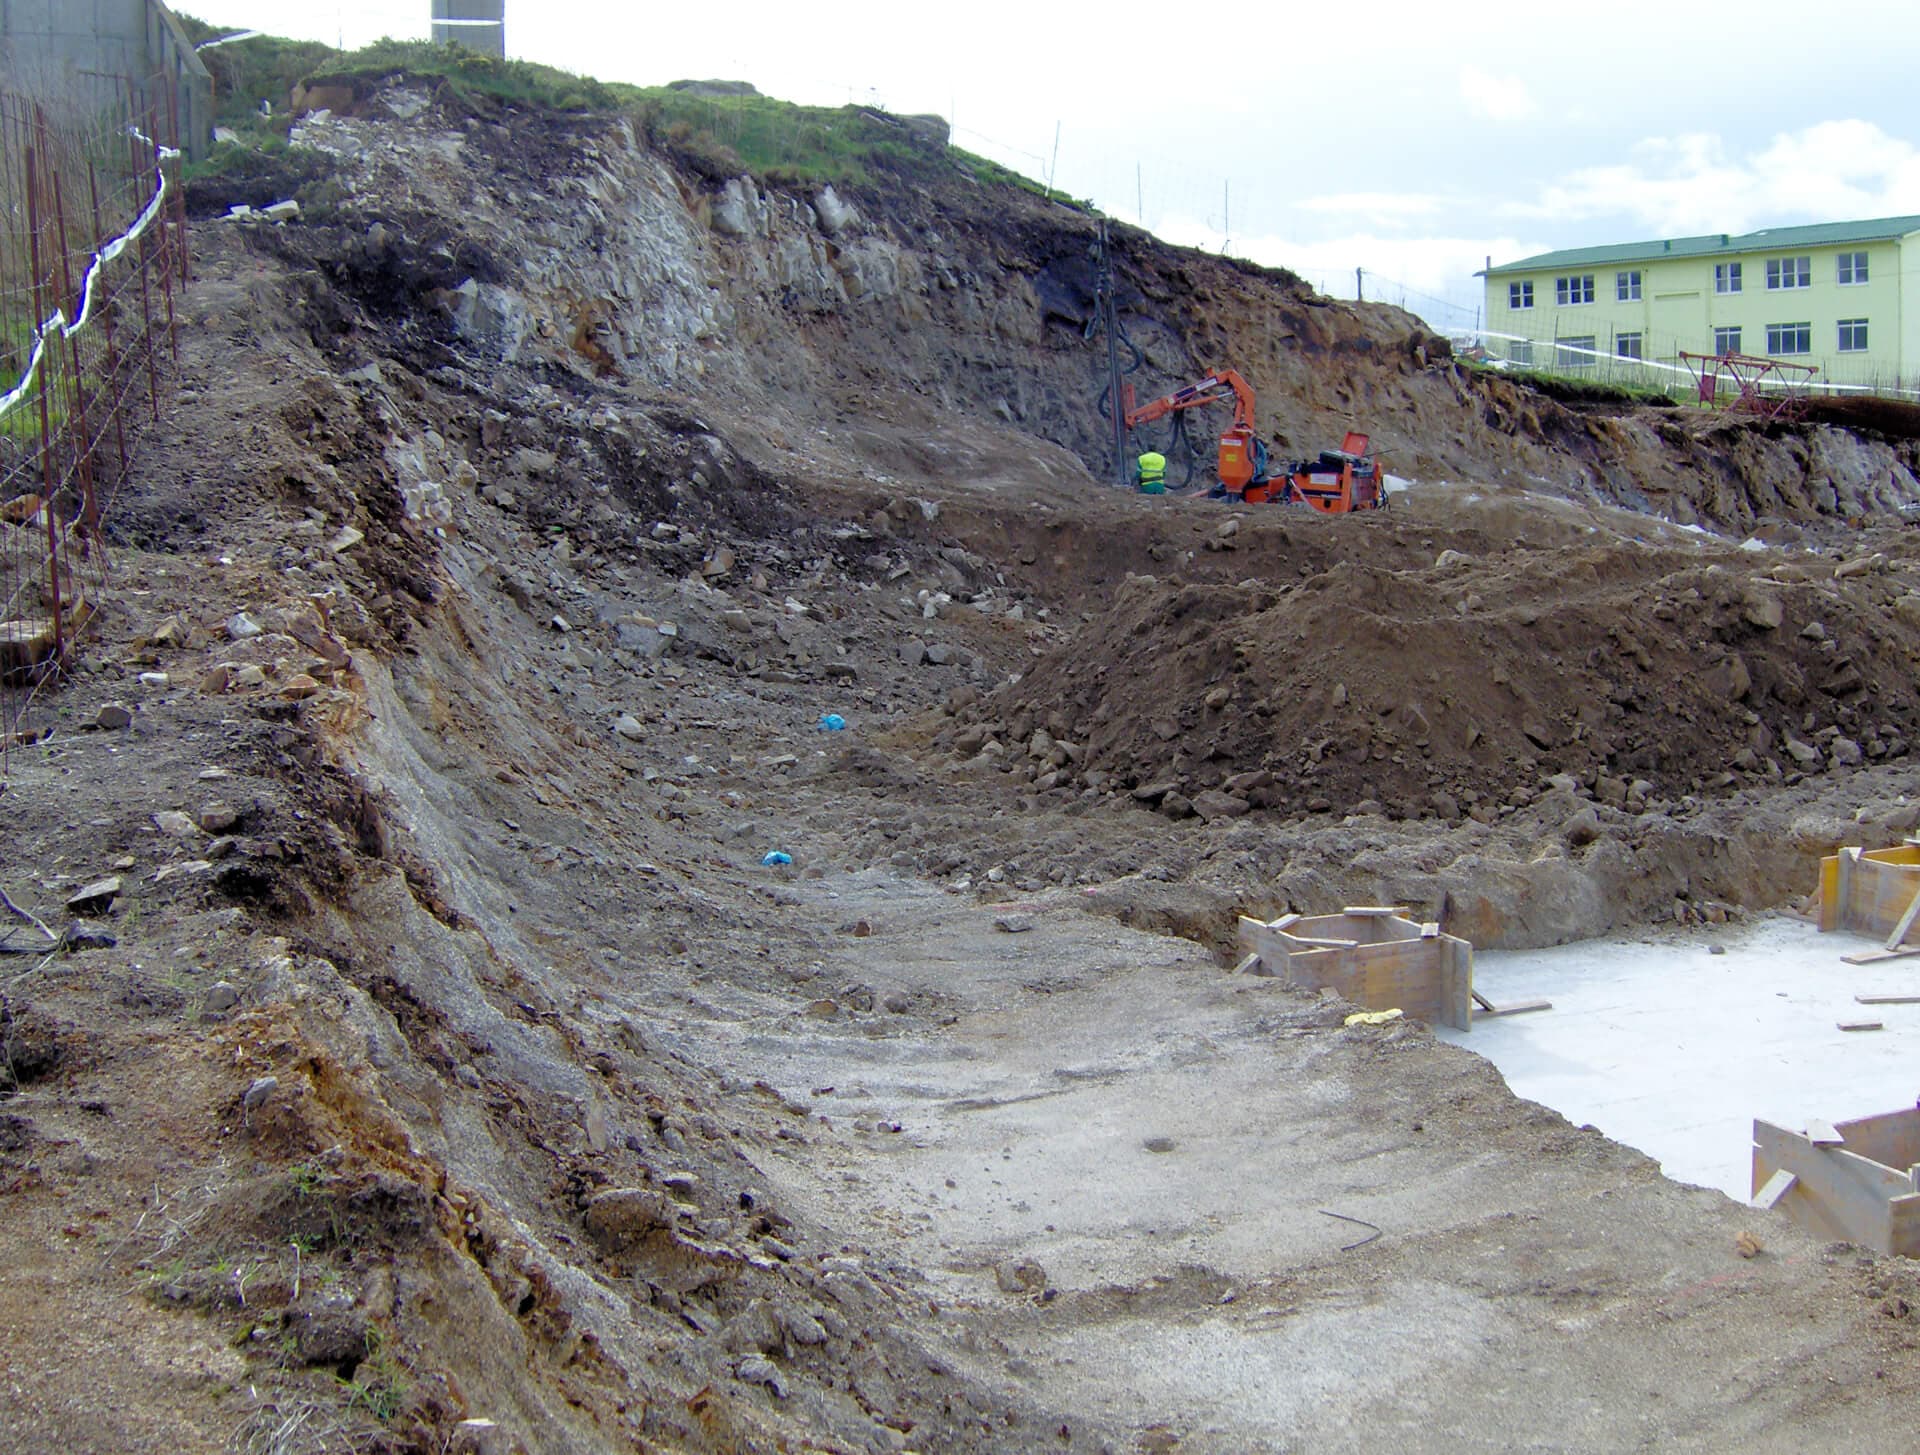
<point>57,321</point>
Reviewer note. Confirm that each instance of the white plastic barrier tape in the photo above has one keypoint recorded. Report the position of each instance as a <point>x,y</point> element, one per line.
<point>1822,386</point>
<point>57,322</point>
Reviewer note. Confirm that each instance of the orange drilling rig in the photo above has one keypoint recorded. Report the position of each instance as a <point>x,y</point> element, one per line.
<point>1339,481</point>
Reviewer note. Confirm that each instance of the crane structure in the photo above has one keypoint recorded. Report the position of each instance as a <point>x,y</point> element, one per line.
<point>1770,388</point>
<point>1339,481</point>
<point>1243,456</point>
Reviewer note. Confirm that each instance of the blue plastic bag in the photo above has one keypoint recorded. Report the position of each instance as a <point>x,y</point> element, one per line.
<point>776,857</point>
<point>832,722</point>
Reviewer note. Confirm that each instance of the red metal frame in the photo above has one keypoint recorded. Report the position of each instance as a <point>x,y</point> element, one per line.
<point>1748,373</point>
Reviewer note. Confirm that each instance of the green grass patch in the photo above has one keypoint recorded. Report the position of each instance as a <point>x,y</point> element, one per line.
<point>380,1383</point>
<point>1577,389</point>
<point>715,135</point>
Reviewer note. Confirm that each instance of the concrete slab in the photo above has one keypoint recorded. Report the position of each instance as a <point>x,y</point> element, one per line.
<point>1670,1048</point>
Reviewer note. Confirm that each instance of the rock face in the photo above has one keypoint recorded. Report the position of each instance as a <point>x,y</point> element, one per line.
<point>665,275</point>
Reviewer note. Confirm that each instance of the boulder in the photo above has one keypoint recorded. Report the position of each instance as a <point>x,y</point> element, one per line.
<point>1213,804</point>
<point>622,1217</point>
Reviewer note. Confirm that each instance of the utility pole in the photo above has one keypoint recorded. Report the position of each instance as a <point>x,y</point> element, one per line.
<point>1359,289</point>
<point>1055,162</point>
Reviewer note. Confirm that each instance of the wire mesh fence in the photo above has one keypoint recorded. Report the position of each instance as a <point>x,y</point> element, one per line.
<point>1621,359</point>
<point>93,245</point>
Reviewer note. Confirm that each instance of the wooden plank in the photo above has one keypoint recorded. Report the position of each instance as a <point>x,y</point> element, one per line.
<point>1429,930</point>
<point>1778,1186</point>
<point>1861,1025</point>
<point>1456,986</point>
<point>1891,1138</point>
<point>1889,999</point>
<point>1903,1226</point>
<point>1823,1134</point>
<point>1375,911</point>
<point>1828,1197</point>
<point>1247,966</point>
<point>1515,1007</point>
<point>1874,957</point>
<point>1324,944</point>
<point>1481,1001</point>
<point>1871,1174</point>
<point>1905,922</point>
<point>1830,892</point>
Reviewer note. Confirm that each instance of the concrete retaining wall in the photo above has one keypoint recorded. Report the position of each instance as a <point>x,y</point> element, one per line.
<point>79,50</point>
<point>479,25</point>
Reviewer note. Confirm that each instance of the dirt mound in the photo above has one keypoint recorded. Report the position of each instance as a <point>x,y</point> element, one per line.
<point>1465,684</point>
<point>1894,418</point>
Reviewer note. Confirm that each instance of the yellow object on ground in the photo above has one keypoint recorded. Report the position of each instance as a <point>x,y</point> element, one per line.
<point>1372,1017</point>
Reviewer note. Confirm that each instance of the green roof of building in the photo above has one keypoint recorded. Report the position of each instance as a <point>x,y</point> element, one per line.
<point>1768,239</point>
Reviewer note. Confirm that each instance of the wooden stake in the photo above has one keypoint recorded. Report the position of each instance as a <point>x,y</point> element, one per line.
<point>1906,922</point>
<point>1778,1186</point>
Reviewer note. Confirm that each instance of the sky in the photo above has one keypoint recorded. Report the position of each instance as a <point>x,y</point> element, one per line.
<point>1409,141</point>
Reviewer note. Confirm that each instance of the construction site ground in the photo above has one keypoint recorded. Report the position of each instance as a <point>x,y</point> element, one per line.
<point>1675,1042</point>
<point>955,1132</point>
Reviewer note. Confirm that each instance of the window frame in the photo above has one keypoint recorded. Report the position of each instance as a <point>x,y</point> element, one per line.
<point>1575,290</point>
<point>1638,341</point>
<point>1850,336</point>
<point>1785,274</point>
<point>1720,336</point>
<point>1565,358</point>
<point>1802,335</point>
<point>1726,278</point>
<point>1520,296</point>
<point>1850,269</point>
<point>1626,286</point>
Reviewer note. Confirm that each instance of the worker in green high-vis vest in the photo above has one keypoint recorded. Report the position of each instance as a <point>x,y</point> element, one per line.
<point>1150,473</point>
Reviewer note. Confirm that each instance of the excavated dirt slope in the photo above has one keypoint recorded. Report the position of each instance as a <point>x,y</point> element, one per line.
<point>459,1057</point>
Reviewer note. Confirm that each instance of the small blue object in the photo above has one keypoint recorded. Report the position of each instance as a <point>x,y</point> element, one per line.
<point>832,722</point>
<point>776,857</point>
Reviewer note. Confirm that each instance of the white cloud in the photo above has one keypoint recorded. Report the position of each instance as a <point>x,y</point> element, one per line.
<point>1381,209</point>
<point>1430,276</point>
<point>1496,98</point>
<point>1832,170</point>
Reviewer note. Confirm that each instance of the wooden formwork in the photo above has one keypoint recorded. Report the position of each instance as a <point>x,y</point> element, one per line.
<point>1373,957</point>
<point>1870,891</point>
<point>1854,1180</point>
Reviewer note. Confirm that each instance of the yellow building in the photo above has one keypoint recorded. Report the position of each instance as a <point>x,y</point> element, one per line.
<point>1832,295</point>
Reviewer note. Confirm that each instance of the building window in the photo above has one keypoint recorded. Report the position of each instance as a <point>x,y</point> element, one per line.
<point>1790,338</point>
<point>1851,268</point>
<point>1573,290</point>
<point>1520,351</point>
<point>1520,295</point>
<point>1853,334</point>
<point>1726,340</point>
<point>1726,277</point>
<point>1626,286</point>
<point>1575,353</point>
<point>1627,345</point>
<point>1789,273</point>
